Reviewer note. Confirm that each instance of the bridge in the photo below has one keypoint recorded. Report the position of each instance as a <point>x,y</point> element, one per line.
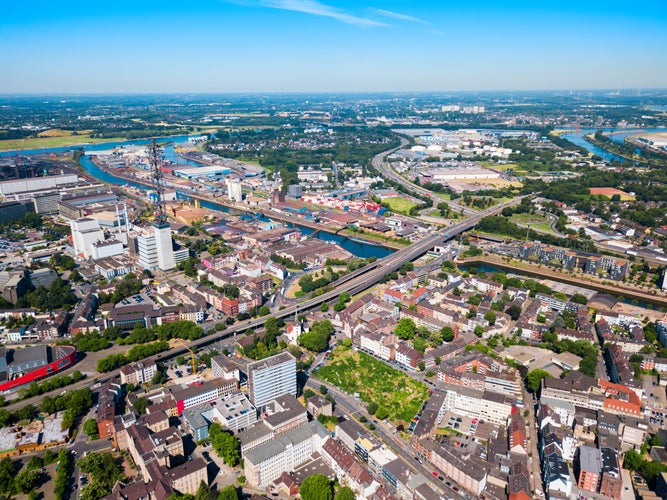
<point>353,283</point>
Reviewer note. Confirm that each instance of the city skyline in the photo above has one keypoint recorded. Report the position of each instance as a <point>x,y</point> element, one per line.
<point>330,46</point>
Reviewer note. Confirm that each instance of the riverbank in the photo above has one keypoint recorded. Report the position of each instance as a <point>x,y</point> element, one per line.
<point>615,288</point>
<point>220,202</point>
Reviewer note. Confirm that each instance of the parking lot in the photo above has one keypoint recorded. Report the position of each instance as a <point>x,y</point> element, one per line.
<point>458,423</point>
<point>220,474</point>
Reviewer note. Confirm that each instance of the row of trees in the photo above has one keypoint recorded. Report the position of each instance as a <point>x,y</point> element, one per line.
<point>73,404</point>
<point>51,383</point>
<point>138,352</point>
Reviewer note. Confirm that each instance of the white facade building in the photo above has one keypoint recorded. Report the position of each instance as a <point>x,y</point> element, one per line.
<point>164,247</point>
<point>85,232</point>
<point>234,190</point>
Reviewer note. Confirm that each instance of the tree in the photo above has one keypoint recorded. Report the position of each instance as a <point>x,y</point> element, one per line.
<point>579,298</point>
<point>405,329</point>
<point>345,493</point>
<point>479,330</point>
<point>490,316</point>
<point>534,379</point>
<point>26,481</point>
<point>632,460</point>
<point>228,493</point>
<point>140,405</point>
<point>317,339</point>
<point>225,444</point>
<point>90,428</point>
<point>75,276</point>
<point>514,311</point>
<point>372,408</point>
<point>203,492</point>
<point>7,473</point>
<point>264,311</point>
<point>324,307</point>
<point>316,487</point>
<point>447,333</point>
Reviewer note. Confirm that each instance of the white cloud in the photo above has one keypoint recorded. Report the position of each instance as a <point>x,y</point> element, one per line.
<point>319,9</point>
<point>396,15</point>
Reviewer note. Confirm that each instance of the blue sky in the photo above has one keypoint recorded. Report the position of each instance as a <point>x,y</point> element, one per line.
<point>144,46</point>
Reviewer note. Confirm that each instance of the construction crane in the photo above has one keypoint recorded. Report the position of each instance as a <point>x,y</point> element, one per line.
<point>192,353</point>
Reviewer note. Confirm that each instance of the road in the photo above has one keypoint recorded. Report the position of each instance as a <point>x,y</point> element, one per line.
<point>353,283</point>
<point>351,406</point>
<point>389,173</point>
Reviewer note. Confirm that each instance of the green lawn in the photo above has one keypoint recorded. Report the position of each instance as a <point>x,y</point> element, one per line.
<point>375,381</point>
<point>536,221</point>
<point>53,142</point>
<point>399,205</point>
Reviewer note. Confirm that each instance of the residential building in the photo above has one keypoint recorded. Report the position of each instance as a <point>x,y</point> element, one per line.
<point>138,373</point>
<point>589,468</point>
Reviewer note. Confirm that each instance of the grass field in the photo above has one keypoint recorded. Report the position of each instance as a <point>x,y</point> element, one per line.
<point>536,221</point>
<point>58,138</point>
<point>399,205</point>
<point>57,141</point>
<point>375,381</point>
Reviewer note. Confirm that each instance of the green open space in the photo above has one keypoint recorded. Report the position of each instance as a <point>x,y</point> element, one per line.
<point>399,205</point>
<point>394,392</point>
<point>536,221</point>
<point>53,142</point>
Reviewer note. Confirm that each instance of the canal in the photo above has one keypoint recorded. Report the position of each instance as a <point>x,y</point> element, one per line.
<point>357,248</point>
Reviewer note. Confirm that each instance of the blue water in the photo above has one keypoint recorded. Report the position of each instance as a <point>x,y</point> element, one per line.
<point>578,139</point>
<point>358,249</point>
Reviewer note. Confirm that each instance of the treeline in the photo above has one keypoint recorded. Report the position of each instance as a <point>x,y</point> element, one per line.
<point>138,352</point>
<point>50,384</point>
<point>64,469</point>
<point>73,404</point>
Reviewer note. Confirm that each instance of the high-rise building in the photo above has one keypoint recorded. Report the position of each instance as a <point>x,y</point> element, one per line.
<point>234,190</point>
<point>164,247</point>
<point>271,378</point>
<point>155,248</point>
<point>147,247</point>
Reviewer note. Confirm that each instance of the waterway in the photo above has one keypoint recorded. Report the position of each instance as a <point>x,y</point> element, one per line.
<point>617,135</point>
<point>358,249</point>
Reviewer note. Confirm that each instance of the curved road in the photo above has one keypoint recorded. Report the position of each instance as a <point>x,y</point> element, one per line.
<point>386,170</point>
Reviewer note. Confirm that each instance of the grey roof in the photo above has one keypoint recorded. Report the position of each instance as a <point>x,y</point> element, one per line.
<point>281,443</point>
<point>253,433</point>
<point>272,361</point>
<point>589,459</point>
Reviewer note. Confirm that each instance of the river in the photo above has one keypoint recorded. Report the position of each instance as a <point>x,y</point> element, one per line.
<point>618,135</point>
<point>359,249</point>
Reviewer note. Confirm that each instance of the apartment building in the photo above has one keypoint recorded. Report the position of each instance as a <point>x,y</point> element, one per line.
<point>138,373</point>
